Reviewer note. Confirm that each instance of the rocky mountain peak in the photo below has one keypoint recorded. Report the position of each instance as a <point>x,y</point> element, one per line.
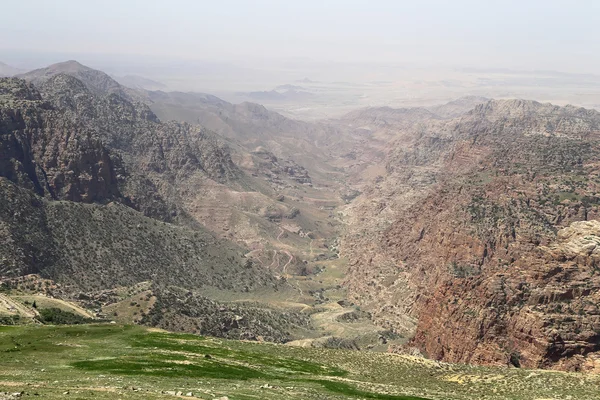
<point>519,108</point>
<point>69,66</point>
<point>65,91</point>
<point>64,81</point>
<point>96,81</point>
<point>456,108</point>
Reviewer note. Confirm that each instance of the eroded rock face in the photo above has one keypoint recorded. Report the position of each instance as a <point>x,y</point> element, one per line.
<point>540,311</point>
<point>482,240</point>
<point>50,154</point>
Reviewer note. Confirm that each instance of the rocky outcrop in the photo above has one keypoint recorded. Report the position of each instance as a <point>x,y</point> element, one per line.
<point>276,170</point>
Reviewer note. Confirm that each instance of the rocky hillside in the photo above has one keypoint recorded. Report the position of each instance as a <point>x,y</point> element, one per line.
<point>88,185</point>
<point>66,142</point>
<point>183,311</point>
<point>312,146</point>
<point>185,173</point>
<point>481,239</point>
<point>92,247</point>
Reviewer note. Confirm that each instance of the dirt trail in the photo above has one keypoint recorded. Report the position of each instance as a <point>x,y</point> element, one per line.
<point>254,254</point>
<point>275,260</point>
<point>291,257</point>
<point>306,342</point>
<point>289,261</point>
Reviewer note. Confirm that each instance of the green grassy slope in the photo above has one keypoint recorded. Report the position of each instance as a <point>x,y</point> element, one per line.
<point>113,361</point>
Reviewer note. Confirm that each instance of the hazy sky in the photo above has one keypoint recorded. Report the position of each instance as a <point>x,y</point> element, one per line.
<point>527,34</point>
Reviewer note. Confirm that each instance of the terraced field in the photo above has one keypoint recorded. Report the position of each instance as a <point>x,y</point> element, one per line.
<point>112,361</point>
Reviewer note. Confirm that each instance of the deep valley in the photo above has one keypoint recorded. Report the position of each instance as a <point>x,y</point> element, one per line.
<point>157,243</point>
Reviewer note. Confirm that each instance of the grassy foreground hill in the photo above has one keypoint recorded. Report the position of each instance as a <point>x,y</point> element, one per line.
<point>109,361</point>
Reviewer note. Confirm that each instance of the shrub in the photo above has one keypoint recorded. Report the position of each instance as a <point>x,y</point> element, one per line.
<point>56,316</point>
<point>9,319</point>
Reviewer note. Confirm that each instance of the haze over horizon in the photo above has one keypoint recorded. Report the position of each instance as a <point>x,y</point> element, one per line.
<point>526,35</point>
<point>354,53</point>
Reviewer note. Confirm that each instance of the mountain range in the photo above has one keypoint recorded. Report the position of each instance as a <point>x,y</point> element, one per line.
<point>466,232</point>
